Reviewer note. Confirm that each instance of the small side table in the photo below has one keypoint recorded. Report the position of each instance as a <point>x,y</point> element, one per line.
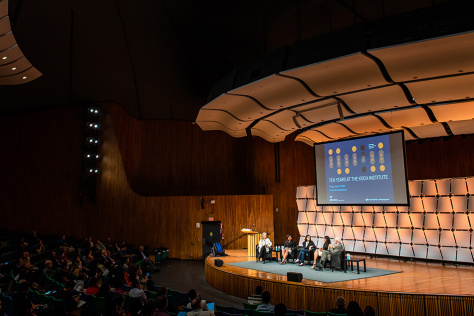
<point>356,260</point>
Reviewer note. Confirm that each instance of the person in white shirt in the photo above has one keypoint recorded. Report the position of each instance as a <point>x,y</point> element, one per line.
<point>264,246</point>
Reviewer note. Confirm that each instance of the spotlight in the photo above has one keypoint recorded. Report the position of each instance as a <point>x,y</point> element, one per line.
<point>4,58</point>
<point>24,77</point>
<point>14,68</point>
<point>96,126</point>
<point>91,140</point>
<point>96,111</point>
<point>96,141</point>
<point>92,110</point>
<point>88,156</point>
<point>96,170</point>
<point>90,170</point>
<point>97,156</point>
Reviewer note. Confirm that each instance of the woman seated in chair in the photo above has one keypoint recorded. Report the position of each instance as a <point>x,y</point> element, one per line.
<point>308,245</point>
<point>326,246</point>
<point>264,246</point>
<point>287,249</point>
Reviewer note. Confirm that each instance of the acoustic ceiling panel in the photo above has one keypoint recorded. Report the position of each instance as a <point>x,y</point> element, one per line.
<point>269,131</point>
<point>462,127</point>
<point>429,188</point>
<point>340,75</point>
<point>445,89</point>
<point>380,99</point>
<point>365,124</point>
<point>223,118</point>
<point>444,204</point>
<point>276,92</point>
<point>453,112</point>
<point>216,126</point>
<point>429,58</point>
<point>284,120</point>
<point>322,111</point>
<point>406,117</point>
<point>28,75</point>
<point>4,24</point>
<point>461,221</point>
<point>428,131</point>
<point>243,108</point>
<point>334,131</point>
<point>311,137</point>
<point>6,41</point>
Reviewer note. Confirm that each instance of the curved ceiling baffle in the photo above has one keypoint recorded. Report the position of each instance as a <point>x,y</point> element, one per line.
<point>14,67</point>
<point>424,88</point>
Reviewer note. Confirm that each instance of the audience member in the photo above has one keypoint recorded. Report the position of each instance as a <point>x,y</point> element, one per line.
<point>197,309</point>
<point>266,306</point>
<point>147,264</point>
<point>136,291</point>
<point>369,311</point>
<point>93,286</point>
<point>117,306</point>
<point>340,306</point>
<point>48,268</point>
<point>280,310</point>
<point>193,294</point>
<point>54,259</point>
<point>257,297</point>
<point>353,309</point>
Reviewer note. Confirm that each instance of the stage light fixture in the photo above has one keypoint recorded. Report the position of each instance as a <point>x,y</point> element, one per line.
<point>91,110</point>
<point>14,68</point>
<point>24,78</point>
<point>88,156</point>
<point>96,111</point>
<point>90,170</point>
<point>91,140</point>
<point>96,141</point>
<point>96,170</point>
<point>97,156</point>
<point>96,126</point>
<point>4,58</point>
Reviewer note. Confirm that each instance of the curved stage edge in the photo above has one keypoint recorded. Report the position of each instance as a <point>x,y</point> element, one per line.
<point>422,296</point>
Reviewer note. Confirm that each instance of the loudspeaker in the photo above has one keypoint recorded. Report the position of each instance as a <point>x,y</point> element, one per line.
<point>219,263</point>
<point>294,276</point>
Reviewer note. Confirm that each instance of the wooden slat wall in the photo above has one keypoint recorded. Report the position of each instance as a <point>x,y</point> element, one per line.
<point>42,193</point>
<point>322,299</point>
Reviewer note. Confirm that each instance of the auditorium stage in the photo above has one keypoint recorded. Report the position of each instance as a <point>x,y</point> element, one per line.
<point>419,287</point>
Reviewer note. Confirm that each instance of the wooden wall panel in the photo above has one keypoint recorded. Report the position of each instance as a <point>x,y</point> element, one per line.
<point>40,186</point>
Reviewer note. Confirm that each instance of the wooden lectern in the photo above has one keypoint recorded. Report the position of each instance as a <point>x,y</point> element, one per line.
<point>252,241</point>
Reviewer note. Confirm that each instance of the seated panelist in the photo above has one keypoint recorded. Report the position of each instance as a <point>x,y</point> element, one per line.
<point>308,245</point>
<point>336,248</point>
<point>326,246</point>
<point>264,246</point>
<point>287,248</point>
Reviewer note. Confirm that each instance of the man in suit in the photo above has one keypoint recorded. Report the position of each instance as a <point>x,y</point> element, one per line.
<point>326,256</point>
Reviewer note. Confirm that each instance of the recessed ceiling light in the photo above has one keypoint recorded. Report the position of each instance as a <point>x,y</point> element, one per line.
<point>14,68</point>
<point>25,77</point>
<point>4,57</point>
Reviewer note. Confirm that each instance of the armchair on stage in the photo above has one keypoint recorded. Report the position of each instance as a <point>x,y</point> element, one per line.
<point>268,255</point>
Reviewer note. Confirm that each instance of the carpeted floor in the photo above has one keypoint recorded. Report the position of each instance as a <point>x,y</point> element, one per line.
<point>322,276</point>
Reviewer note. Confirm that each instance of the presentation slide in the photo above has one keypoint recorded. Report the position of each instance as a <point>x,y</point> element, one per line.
<point>362,171</point>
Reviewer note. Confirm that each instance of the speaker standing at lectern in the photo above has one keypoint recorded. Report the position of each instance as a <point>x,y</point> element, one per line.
<point>264,246</point>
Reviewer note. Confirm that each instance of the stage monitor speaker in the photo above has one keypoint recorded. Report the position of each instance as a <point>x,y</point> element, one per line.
<point>294,276</point>
<point>218,262</point>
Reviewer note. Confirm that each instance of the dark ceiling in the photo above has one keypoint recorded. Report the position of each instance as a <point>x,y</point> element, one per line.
<point>159,59</point>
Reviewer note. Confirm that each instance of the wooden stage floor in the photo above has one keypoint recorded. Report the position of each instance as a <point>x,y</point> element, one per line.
<point>416,277</point>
